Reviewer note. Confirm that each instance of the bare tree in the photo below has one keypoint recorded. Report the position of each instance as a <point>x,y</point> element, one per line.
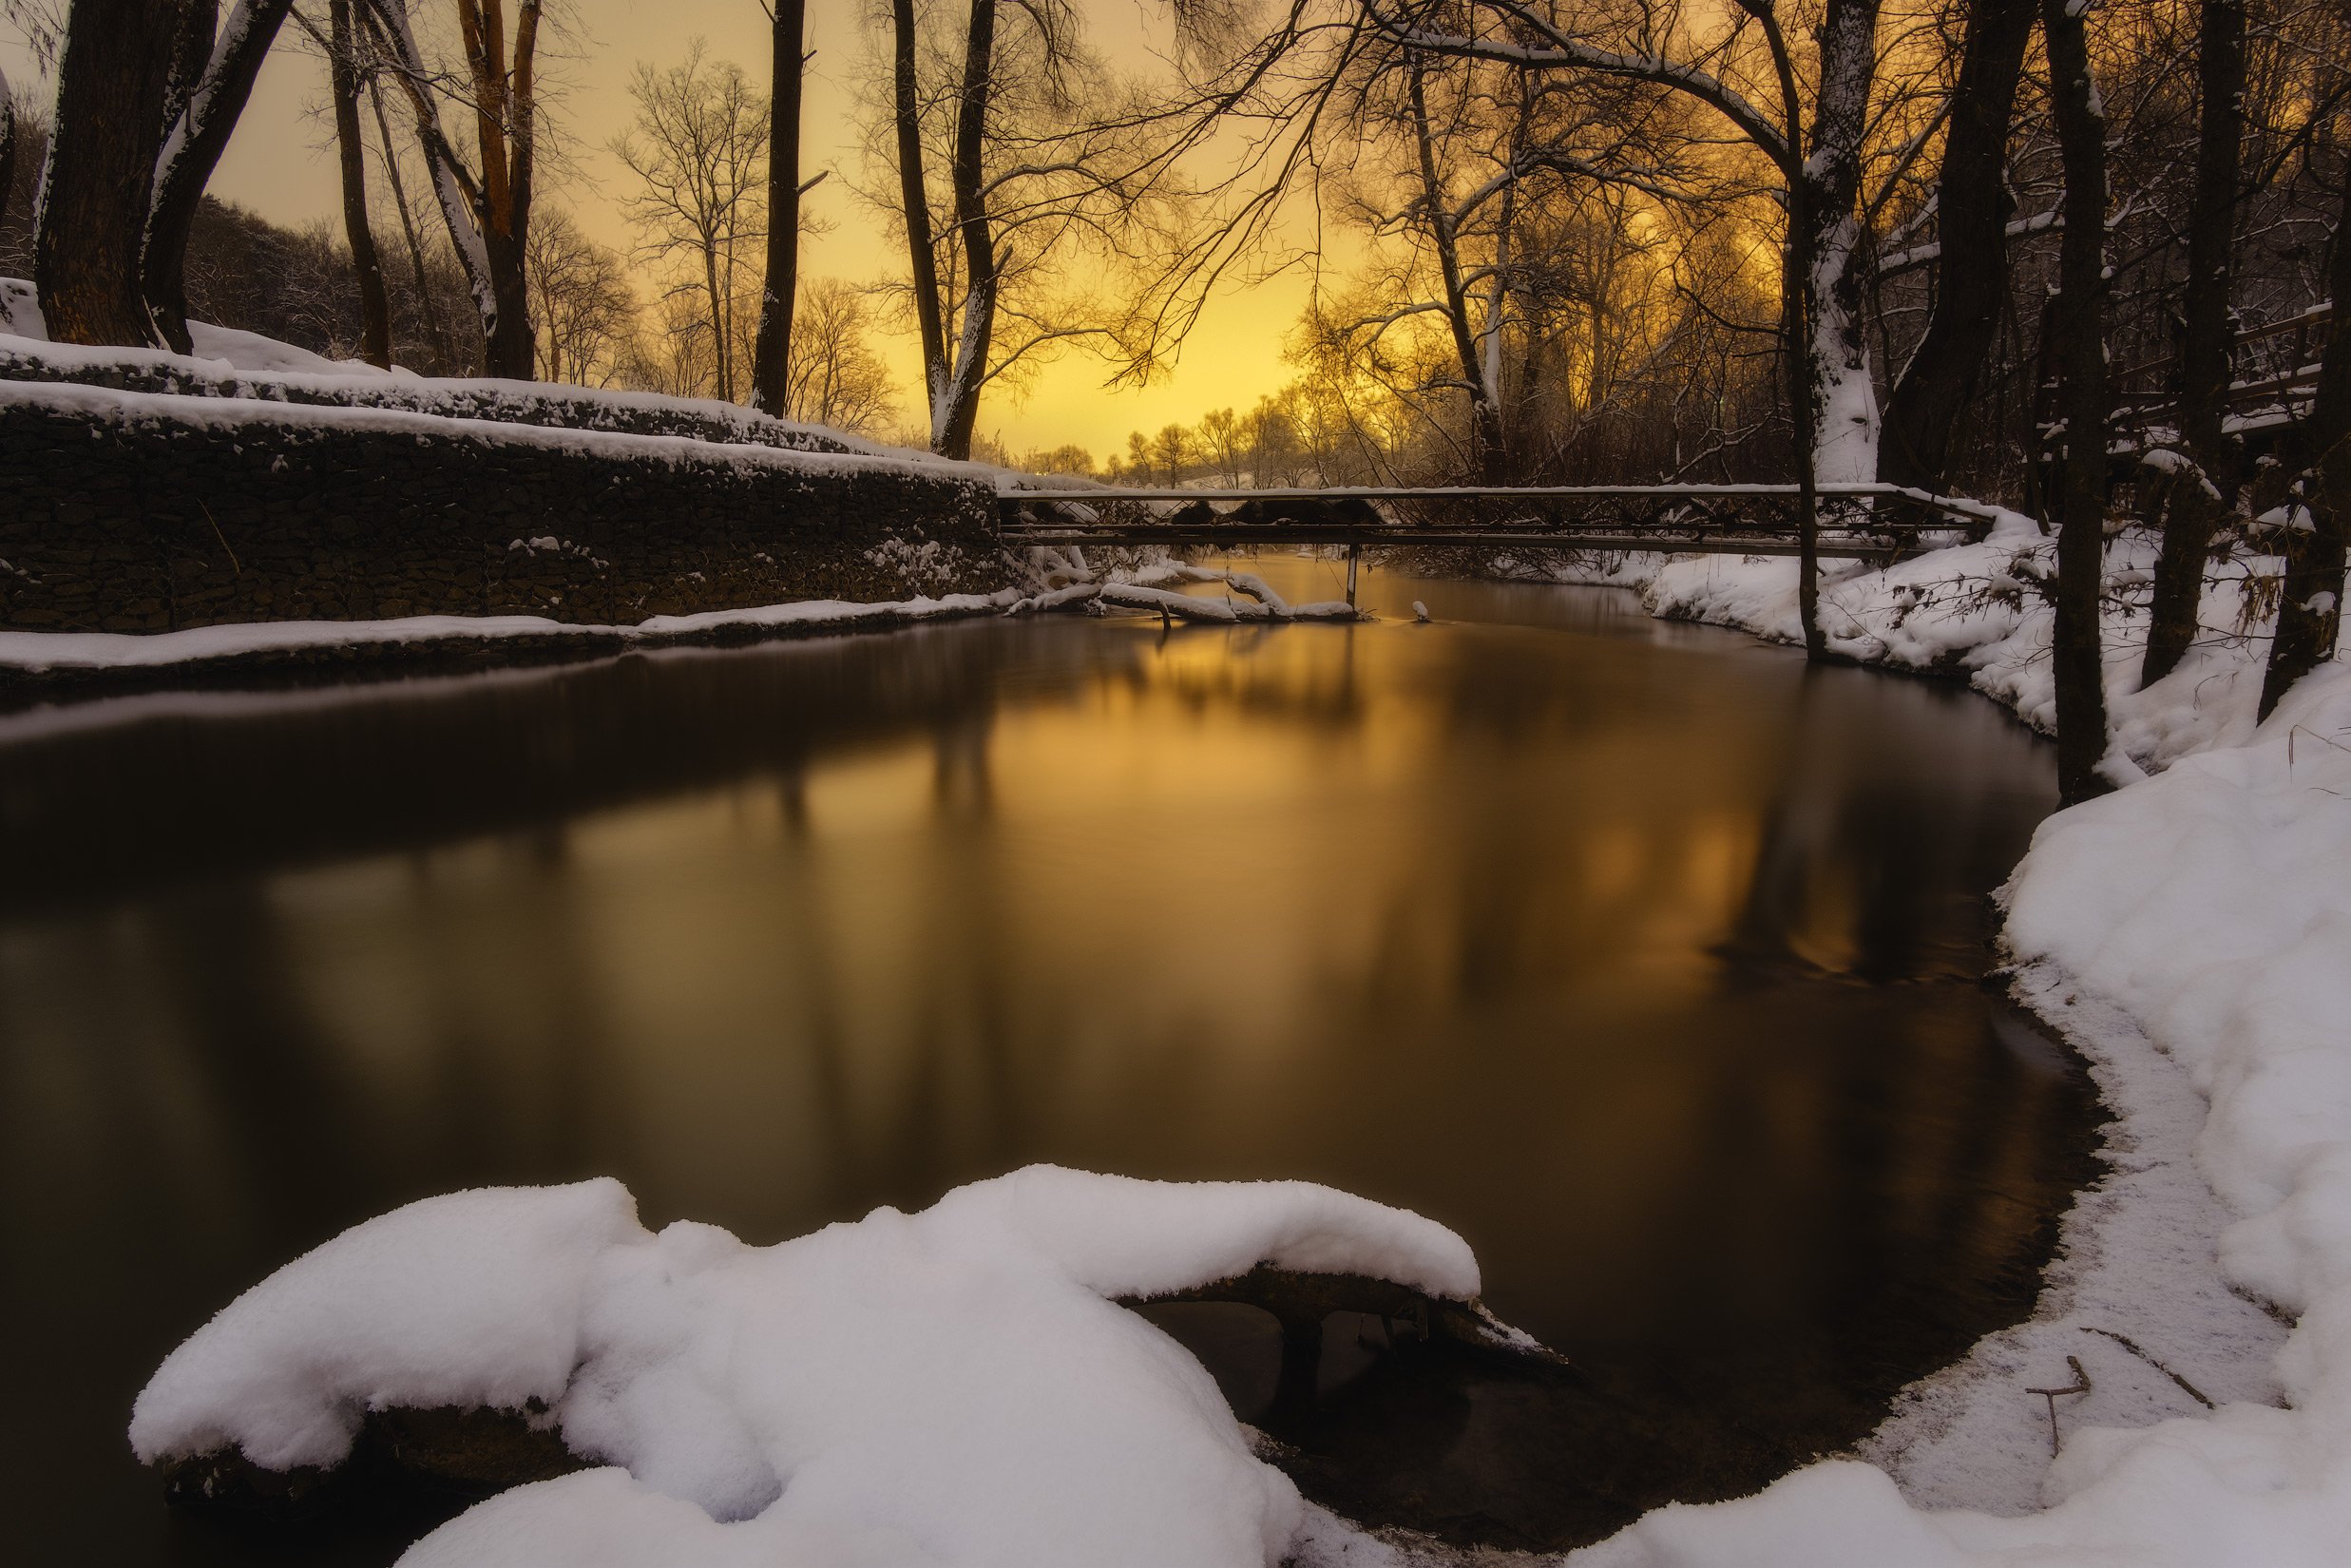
<point>2310,599</point>
<point>586,312</point>
<point>1220,441</point>
<point>346,71</point>
<point>2076,350</point>
<point>428,304</point>
<point>211,78</point>
<point>1808,126</point>
<point>7,143</point>
<point>770,357</point>
<point>113,77</point>
<point>698,151</point>
<point>2204,491</point>
<point>1048,158</point>
<point>836,378</point>
<point>1973,209</point>
<point>486,205</point>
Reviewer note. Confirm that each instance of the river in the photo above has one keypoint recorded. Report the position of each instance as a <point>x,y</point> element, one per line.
<point>1642,955</point>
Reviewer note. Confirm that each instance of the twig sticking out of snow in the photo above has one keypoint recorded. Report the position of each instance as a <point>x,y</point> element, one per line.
<point>2080,1386</point>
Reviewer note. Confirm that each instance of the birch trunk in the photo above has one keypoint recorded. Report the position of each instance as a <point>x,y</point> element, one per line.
<point>1845,440</point>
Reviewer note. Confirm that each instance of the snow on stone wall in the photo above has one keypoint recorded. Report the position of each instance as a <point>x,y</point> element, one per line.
<point>145,513</point>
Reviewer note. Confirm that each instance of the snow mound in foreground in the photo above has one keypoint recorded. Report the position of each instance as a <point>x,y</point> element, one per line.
<point>949,1386</point>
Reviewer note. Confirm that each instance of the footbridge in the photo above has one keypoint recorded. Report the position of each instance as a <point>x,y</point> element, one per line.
<point>1871,522</point>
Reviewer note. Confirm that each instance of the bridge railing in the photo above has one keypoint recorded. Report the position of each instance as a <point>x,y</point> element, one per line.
<point>2272,369</point>
<point>1854,519</point>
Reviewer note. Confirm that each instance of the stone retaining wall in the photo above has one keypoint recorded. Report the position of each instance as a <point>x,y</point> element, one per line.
<point>151,513</point>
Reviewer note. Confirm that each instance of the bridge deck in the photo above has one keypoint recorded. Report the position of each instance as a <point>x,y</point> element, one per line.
<point>1245,536</point>
<point>1856,521</point>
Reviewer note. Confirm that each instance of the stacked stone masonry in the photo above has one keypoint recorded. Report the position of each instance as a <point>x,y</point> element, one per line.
<point>144,522</point>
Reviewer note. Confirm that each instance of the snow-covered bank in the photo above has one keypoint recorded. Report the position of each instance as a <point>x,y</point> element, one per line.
<point>1977,610</point>
<point>950,1386</point>
<point>98,656</point>
<point>69,655</point>
<point>2191,934</point>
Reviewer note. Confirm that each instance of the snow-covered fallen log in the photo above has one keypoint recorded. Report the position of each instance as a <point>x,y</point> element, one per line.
<point>956,1386</point>
<point>1182,607</point>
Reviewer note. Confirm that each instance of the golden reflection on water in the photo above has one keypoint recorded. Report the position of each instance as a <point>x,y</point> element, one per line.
<point>1640,957</point>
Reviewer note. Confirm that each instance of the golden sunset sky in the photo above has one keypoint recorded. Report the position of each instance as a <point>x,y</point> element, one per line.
<point>282,164</point>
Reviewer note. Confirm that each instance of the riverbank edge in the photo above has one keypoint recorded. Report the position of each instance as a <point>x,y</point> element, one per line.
<point>107,662</point>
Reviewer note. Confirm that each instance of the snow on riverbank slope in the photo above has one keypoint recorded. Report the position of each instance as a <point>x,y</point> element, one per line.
<point>1977,610</point>
<point>950,1386</point>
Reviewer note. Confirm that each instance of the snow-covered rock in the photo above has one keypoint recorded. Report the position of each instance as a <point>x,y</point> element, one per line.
<point>950,1386</point>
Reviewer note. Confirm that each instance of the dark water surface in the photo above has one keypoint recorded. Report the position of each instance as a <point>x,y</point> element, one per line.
<point>1639,954</point>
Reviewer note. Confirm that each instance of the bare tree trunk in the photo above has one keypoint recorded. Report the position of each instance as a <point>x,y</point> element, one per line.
<point>503,109</point>
<point>425,306</point>
<point>1972,210</point>
<point>971,220</point>
<point>2310,605</point>
<point>343,77</point>
<point>2201,499</point>
<point>1485,420</point>
<point>721,362</point>
<point>1846,427</point>
<point>1804,413</point>
<point>7,145</point>
<point>100,178</point>
<point>223,71</point>
<point>487,212</point>
<point>2078,325</point>
<point>914,195</point>
<point>771,355</point>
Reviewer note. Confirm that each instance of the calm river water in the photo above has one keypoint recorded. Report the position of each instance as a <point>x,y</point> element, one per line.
<point>1639,954</point>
